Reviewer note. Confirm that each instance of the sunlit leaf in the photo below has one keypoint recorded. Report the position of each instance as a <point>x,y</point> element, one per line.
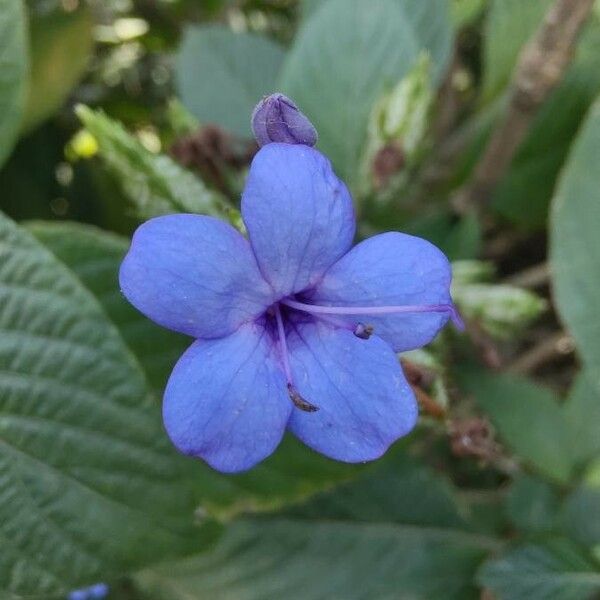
<point>153,183</point>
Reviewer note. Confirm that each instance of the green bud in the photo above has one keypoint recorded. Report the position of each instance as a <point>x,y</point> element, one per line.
<point>472,271</point>
<point>398,124</point>
<point>402,113</point>
<point>501,310</point>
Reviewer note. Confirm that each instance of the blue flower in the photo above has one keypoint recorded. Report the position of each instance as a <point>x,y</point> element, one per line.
<point>94,592</point>
<point>283,320</point>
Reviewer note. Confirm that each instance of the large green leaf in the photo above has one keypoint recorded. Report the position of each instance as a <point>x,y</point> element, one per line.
<point>61,44</point>
<point>395,535</point>
<point>13,72</point>
<point>221,75</point>
<point>89,485</point>
<point>574,243</point>
<point>95,256</point>
<point>582,414</point>
<point>345,55</point>
<point>293,472</point>
<point>557,572</point>
<point>431,21</point>
<point>557,439</point>
<point>153,183</point>
<point>532,505</point>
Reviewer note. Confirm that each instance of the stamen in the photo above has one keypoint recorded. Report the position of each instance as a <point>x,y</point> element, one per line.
<point>364,332</point>
<point>318,309</point>
<point>295,396</point>
<point>299,401</point>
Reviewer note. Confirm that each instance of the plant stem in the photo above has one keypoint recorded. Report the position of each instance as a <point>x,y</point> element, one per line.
<point>539,70</point>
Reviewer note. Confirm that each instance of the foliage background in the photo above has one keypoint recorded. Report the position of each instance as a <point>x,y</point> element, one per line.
<point>114,111</point>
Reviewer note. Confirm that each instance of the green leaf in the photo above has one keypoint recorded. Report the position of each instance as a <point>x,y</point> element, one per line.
<point>574,242</point>
<point>153,183</point>
<point>13,72</point>
<point>61,44</point>
<point>529,419</point>
<point>95,256</point>
<point>559,572</point>
<point>395,535</point>
<point>90,486</point>
<point>292,473</point>
<point>221,75</point>
<point>532,505</point>
<point>582,414</point>
<point>557,440</point>
<point>336,78</point>
<point>581,515</point>
<point>388,494</point>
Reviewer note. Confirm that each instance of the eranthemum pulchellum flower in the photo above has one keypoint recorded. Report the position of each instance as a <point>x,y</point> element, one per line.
<point>97,591</point>
<point>295,329</point>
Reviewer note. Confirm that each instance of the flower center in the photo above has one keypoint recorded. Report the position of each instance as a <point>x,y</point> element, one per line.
<point>363,331</point>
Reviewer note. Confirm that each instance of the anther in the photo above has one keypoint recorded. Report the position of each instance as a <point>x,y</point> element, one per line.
<point>364,332</point>
<point>299,401</point>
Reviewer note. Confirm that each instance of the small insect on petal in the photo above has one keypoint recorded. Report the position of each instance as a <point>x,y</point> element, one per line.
<point>277,119</point>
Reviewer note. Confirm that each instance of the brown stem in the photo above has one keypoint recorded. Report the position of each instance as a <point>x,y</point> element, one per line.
<point>533,277</point>
<point>548,350</point>
<point>540,68</point>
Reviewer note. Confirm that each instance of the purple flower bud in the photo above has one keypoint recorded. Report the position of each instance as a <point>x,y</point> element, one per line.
<point>277,119</point>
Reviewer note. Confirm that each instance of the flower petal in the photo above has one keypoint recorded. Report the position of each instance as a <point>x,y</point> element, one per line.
<point>391,269</point>
<point>226,401</point>
<point>194,274</point>
<point>299,215</point>
<point>365,403</point>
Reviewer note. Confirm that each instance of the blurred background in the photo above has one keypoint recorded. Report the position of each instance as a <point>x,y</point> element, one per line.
<point>472,123</point>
